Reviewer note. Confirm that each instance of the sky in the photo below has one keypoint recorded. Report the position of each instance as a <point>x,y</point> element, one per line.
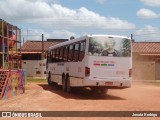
<point>66,18</point>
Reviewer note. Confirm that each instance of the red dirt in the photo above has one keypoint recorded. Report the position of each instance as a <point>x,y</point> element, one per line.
<point>41,97</point>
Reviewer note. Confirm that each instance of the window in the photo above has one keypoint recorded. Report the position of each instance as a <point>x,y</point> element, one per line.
<point>82,50</point>
<point>53,56</point>
<point>70,55</point>
<point>109,46</point>
<point>65,58</point>
<point>48,57</point>
<point>31,56</point>
<point>61,54</point>
<point>57,53</point>
<point>76,52</point>
<point>38,72</point>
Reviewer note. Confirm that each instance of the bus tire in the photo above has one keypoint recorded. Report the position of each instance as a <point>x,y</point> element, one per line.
<point>103,90</point>
<point>68,87</point>
<point>99,90</point>
<point>63,83</point>
<point>49,80</point>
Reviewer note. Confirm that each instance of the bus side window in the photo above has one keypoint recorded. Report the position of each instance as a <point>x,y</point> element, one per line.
<point>53,56</point>
<point>76,52</point>
<point>50,57</point>
<point>82,50</point>
<point>61,54</point>
<point>57,55</point>
<point>46,55</point>
<point>70,55</point>
<point>65,58</point>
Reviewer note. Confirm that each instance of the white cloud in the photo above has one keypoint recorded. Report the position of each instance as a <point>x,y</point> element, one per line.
<point>146,13</point>
<point>101,1</point>
<point>36,34</point>
<point>33,34</point>
<point>153,3</point>
<point>148,29</point>
<point>57,16</point>
<point>62,34</point>
<point>148,33</point>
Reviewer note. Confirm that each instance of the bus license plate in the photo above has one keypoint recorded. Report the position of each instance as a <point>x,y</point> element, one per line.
<point>109,83</point>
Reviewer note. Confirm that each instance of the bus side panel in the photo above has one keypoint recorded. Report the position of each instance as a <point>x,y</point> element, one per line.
<point>76,72</point>
<point>74,69</point>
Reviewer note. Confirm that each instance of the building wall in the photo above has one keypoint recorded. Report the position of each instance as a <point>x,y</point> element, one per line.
<point>34,68</point>
<point>144,67</point>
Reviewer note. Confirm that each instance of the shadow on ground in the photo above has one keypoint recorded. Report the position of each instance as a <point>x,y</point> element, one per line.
<point>79,93</point>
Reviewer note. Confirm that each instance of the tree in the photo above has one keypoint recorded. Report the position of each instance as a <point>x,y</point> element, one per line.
<point>126,48</point>
<point>95,47</point>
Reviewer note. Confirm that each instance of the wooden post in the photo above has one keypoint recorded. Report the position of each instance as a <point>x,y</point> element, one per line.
<point>42,47</point>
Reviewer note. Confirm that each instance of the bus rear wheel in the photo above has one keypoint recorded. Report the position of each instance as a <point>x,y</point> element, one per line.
<point>103,90</point>
<point>63,83</point>
<point>49,80</point>
<point>68,86</point>
<point>51,83</point>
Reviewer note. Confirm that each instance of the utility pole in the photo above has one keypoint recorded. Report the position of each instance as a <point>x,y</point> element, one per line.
<point>132,38</point>
<point>42,46</point>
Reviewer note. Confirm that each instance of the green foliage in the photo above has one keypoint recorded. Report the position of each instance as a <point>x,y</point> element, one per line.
<point>126,47</point>
<point>95,47</point>
<point>35,80</point>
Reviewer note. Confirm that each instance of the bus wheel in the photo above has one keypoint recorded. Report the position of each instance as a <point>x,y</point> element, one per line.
<point>99,90</point>
<point>103,90</point>
<point>49,80</point>
<point>68,87</point>
<point>63,83</point>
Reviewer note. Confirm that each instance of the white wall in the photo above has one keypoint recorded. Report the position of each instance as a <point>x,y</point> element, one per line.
<point>32,67</point>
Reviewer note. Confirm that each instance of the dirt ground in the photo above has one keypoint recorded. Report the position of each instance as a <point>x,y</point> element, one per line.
<point>41,97</point>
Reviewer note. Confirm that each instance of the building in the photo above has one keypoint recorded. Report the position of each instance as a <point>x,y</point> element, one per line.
<point>146,60</point>
<point>32,58</point>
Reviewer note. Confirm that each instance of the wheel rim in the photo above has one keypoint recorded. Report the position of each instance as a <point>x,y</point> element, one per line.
<point>68,86</point>
<point>63,84</point>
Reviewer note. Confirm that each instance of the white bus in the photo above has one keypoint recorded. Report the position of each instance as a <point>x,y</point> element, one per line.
<point>95,61</point>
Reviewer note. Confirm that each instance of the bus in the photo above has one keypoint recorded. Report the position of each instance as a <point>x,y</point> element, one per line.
<point>100,62</point>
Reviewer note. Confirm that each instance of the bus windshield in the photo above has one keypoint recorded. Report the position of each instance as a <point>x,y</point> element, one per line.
<point>109,46</point>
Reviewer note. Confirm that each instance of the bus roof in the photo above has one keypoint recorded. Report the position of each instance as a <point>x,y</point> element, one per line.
<point>109,36</point>
<point>84,37</point>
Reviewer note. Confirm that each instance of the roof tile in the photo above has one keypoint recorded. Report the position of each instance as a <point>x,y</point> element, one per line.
<point>36,46</point>
<point>146,47</point>
<point>142,47</point>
